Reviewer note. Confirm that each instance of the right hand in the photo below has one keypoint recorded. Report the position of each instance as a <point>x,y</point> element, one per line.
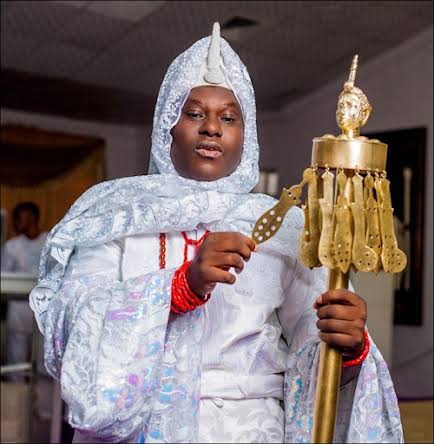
<point>217,254</point>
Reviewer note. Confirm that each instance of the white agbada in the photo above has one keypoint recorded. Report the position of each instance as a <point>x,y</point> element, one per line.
<point>133,372</point>
<point>243,350</point>
<point>20,254</point>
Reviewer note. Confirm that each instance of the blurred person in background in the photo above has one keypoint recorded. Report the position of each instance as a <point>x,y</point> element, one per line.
<point>21,254</point>
<point>3,226</point>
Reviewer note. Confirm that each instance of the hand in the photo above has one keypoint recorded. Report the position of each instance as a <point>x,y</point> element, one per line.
<point>342,320</point>
<point>217,254</point>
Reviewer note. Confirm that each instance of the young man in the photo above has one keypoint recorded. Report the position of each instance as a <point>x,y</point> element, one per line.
<point>153,336</point>
<point>22,254</point>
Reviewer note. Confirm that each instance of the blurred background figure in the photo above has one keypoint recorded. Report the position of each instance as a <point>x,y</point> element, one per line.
<point>21,254</point>
<point>3,225</point>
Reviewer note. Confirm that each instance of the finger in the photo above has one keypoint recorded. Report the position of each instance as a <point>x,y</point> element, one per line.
<point>237,242</point>
<point>229,260</point>
<point>342,312</point>
<point>339,326</point>
<point>248,242</point>
<point>225,260</point>
<point>218,275</point>
<point>339,340</point>
<point>339,296</point>
<point>245,252</point>
<point>239,247</point>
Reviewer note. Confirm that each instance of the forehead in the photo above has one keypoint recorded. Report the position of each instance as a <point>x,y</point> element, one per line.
<point>23,212</point>
<point>213,96</point>
<point>350,98</point>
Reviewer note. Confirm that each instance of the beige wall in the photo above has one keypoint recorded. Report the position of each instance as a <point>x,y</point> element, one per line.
<point>399,84</point>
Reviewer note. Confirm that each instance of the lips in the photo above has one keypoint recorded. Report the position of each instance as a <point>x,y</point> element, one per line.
<point>209,150</point>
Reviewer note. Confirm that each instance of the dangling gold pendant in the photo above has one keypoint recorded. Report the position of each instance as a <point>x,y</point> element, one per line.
<point>343,236</point>
<point>392,258</point>
<point>363,257</point>
<point>325,248</point>
<point>311,232</point>
<point>373,234</point>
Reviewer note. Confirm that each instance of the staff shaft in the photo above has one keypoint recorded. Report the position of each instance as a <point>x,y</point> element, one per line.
<point>329,375</point>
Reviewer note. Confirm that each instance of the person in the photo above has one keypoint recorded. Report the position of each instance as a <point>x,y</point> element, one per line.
<point>166,323</point>
<point>21,254</point>
<point>3,225</point>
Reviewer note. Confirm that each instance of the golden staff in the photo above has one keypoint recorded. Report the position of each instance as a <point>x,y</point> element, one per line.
<point>348,222</point>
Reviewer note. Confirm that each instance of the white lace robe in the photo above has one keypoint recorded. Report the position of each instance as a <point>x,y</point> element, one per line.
<point>249,331</point>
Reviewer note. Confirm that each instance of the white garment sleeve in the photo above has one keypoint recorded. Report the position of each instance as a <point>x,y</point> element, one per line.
<point>297,315</point>
<point>104,339</point>
<point>8,261</point>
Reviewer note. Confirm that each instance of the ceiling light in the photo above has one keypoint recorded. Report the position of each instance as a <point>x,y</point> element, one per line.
<point>233,29</point>
<point>134,11</point>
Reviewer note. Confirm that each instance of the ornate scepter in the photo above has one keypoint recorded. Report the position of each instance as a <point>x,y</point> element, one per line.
<point>348,222</point>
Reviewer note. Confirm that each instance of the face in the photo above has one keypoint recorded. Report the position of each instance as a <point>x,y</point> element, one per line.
<point>349,113</point>
<point>24,221</point>
<point>208,138</point>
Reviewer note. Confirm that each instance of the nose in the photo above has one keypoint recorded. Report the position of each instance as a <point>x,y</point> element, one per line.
<point>211,127</point>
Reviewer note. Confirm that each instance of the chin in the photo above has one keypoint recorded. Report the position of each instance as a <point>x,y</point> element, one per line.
<point>204,170</point>
<point>203,176</point>
<point>207,171</point>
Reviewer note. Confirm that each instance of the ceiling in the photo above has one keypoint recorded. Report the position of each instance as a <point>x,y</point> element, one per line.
<point>125,47</point>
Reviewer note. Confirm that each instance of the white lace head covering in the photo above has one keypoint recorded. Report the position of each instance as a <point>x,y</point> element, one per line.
<point>210,61</point>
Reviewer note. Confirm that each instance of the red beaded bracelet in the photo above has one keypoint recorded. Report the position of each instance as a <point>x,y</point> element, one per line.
<point>183,297</point>
<point>357,361</point>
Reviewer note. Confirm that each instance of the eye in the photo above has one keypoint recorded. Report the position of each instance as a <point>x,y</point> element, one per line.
<point>228,119</point>
<point>194,114</point>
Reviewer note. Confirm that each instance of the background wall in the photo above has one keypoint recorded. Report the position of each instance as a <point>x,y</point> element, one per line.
<point>399,86</point>
<point>126,146</point>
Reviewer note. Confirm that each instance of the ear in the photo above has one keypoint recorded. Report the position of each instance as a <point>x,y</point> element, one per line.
<point>364,116</point>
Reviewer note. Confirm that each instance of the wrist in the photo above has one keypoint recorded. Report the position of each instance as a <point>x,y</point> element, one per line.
<point>356,352</point>
<point>189,276</point>
<point>357,360</point>
<point>184,299</point>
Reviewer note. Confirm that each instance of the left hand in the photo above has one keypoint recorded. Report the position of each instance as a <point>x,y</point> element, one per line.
<point>342,320</point>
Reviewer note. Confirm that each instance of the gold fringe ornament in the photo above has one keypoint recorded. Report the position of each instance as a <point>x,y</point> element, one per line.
<point>364,257</point>
<point>311,232</point>
<point>326,255</point>
<point>343,237</point>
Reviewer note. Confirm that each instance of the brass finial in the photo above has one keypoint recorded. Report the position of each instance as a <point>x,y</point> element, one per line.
<point>353,71</point>
<point>353,106</point>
